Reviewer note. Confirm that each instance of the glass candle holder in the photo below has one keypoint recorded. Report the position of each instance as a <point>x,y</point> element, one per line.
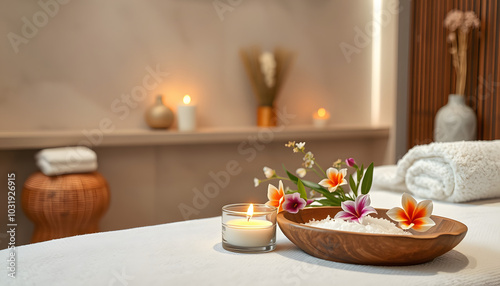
<point>246,230</point>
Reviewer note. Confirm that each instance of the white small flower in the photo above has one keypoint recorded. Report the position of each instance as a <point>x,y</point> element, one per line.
<point>308,156</point>
<point>300,145</point>
<point>256,182</point>
<point>309,164</point>
<point>337,164</point>
<point>269,172</point>
<point>301,172</point>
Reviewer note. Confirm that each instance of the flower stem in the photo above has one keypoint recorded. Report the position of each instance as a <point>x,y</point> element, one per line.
<point>316,171</point>
<point>456,61</point>
<point>462,50</point>
<point>275,177</point>
<point>322,171</point>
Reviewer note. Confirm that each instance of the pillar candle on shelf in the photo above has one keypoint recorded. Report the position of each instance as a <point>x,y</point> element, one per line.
<point>186,115</point>
<point>320,118</point>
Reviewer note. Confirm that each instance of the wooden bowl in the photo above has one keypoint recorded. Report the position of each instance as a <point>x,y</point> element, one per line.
<point>369,248</point>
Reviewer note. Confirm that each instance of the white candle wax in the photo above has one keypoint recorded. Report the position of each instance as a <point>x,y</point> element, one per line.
<point>320,118</point>
<point>186,115</point>
<point>249,233</point>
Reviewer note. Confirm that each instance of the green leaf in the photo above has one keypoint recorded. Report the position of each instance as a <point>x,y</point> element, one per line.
<point>333,197</point>
<point>335,200</point>
<point>308,184</point>
<point>350,198</point>
<point>301,190</point>
<point>290,175</point>
<point>352,184</point>
<point>367,180</point>
<point>328,203</point>
<point>359,174</point>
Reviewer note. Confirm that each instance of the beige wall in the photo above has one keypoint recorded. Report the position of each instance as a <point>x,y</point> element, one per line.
<point>74,71</point>
<point>90,53</point>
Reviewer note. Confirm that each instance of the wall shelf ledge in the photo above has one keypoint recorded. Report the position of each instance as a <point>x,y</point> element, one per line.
<point>14,140</point>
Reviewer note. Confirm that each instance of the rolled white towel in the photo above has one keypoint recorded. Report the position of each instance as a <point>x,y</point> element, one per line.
<point>65,160</point>
<point>384,177</point>
<point>453,171</point>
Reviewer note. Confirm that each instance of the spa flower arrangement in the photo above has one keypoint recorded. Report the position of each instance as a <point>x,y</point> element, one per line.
<point>355,203</point>
<point>330,184</point>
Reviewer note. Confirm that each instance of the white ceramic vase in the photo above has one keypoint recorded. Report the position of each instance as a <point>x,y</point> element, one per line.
<point>455,121</point>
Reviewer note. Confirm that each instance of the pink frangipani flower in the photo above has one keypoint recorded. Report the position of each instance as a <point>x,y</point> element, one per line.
<point>355,210</point>
<point>293,203</point>
<point>413,215</point>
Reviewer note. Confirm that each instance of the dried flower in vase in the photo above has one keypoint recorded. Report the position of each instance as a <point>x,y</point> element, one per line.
<point>459,24</point>
<point>267,71</point>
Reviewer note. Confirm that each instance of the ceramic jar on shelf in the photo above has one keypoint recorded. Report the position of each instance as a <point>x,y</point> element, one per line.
<point>159,116</point>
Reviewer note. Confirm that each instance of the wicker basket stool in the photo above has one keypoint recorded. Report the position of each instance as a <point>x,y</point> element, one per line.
<point>65,205</point>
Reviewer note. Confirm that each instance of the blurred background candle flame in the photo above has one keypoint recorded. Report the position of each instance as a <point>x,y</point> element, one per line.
<point>321,112</point>
<point>320,118</point>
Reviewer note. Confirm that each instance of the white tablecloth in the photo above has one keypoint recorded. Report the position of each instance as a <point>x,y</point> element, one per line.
<point>190,253</point>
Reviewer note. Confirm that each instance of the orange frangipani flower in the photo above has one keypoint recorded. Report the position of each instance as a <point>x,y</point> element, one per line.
<point>413,215</point>
<point>276,196</point>
<point>335,178</point>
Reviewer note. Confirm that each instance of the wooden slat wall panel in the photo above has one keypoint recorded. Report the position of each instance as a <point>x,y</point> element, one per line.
<point>432,76</point>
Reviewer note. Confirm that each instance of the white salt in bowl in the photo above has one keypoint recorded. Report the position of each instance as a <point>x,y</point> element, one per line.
<point>369,248</point>
<point>369,224</point>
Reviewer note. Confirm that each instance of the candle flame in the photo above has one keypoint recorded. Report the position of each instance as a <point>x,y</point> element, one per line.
<point>250,212</point>
<point>186,99</point>
<point>321,112</point>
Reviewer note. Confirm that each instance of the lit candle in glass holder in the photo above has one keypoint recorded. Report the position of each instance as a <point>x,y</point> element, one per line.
<point>186,115</point>
<point>320,118</point>
<point>249,228</point>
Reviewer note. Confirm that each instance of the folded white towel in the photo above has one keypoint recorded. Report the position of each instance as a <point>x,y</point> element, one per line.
<point>67,154</point>
<point>65,160</point>
<point>454,171</point>
<point>59,169</point>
